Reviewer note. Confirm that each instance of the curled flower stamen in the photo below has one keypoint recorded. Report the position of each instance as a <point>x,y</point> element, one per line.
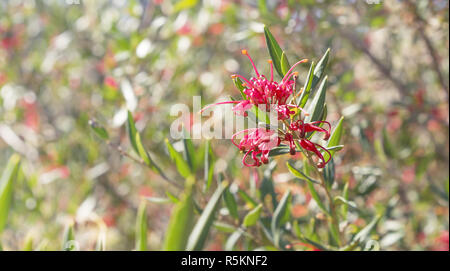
<point>271,69</point>
<point>208,106</point>
<point>288,75</point>
<point>243,78</point>
<point>244,52</point>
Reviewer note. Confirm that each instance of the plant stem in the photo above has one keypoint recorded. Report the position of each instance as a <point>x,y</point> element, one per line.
<point>333,214</point>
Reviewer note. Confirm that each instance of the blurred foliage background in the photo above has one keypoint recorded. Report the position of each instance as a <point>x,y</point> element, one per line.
<point>63,62</point>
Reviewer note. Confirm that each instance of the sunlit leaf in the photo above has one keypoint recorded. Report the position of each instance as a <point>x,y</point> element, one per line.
<point>181,164</point>
<point>201,229</point>
<point>274,51</point>
<point>99,130</point>
<point>182,214</point>
<point>141,227</point>
<point>299,174</point>
<point>252,217</point>
<point>7,180</point>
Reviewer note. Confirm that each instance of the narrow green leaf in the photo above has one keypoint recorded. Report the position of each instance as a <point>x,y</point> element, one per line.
<point>335,138</point>
<point>141,227</point>
<point>182,166</point>
<point>279,214</point>
<point>284,63</point>
<point>131,130</point>
<point>181,220</point>
<point>299,174</point>
<point>230,203</point>
<point>238,83</point>
<point>307,87</point>
<point>316,197</point>
<point>200,232</point>
<point>317,104</point>
<point>7,180</point>
<point>329,173</point>
<point>69,238</point>
<point>319,70</point>
<point>252,217</point>
<point>344,207</point>
<point>362,235</point>
<point>341,200</point>
<point>189,152</point>
<point>208,166</point>
<point>99,130</point>
<point>274,51</point>
<point>141,150</point>
<point>224,227</point>
<point>251,202</point>
<point>172,197</point>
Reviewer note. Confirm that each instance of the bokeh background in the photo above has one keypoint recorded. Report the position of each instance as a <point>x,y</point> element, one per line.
<point>63,62</point>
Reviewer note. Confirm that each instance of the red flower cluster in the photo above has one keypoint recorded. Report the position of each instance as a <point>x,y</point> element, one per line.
<point>257,142</point>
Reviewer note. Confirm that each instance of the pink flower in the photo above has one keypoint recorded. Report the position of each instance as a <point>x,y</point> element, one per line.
<point>256,142</point>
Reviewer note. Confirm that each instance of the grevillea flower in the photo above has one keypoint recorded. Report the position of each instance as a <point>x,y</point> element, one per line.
<point>263,91</point>
<point>256,143</point>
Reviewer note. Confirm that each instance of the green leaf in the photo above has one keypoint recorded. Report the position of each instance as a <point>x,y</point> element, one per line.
<point>181,220</point>
<point>69,238</point>
<point>224,227</point>
<point>316,197</point>
<point>341,200</point>
<point>251,202</point>
<point>319,70</point>
<point>172,197</point>
<point>274,51</point>
<point>345,196</point>
<point>238,83</point>
<point>230,202</point>
<point>252,217</point>
<point>335,138</point>
<point>307,87</point>
<point>299,174</point>
<point>100,131</point>
<point>208,166</point>
<point>182,166</point>
<point>284,63</point>
<point>318,102</point>
<point>141,228</point>
<point>7,179</point>
<point>141,150</point>
<point>189,152</point>
<point>131,130</point>
<point>329,173</point>
<point>198,235</point>
<point>364,233</point>
<point>279,215</point>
